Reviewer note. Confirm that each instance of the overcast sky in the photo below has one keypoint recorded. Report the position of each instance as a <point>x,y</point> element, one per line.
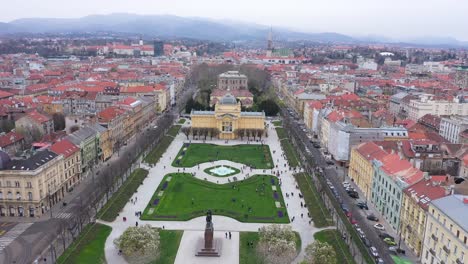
<point>392,18</point>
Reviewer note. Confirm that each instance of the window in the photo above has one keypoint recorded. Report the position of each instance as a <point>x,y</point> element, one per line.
<point>458,233</point>
<point>227,126</point>
<point>10,195</point>
<point>29,185</point>
<point>18,196</point>
<point>30,196</point>
<point>1,195</point>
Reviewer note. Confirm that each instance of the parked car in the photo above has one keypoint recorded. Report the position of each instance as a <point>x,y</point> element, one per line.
<point>366,241</point>
<point>384,235</point>
<point>380,261</point>
<point>389,241</point>
<point>362,205</point>
<point>360,232</point>
<point>372,218</point>
<point>374,252</point>
<point>346,184</point>
<point>353,194</point>
<point>379,227</point>
<point>352,220</point>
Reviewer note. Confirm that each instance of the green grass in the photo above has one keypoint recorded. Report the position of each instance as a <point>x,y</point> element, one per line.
<point>248,255</point>
<point>156,153</point>
<point>181,121</point>
<point>399,260</point>
<point>174,130</point>
<point>257,156</point>
<point>232,199</point>
<point>277,123</point>
<point>333,237</point>
<point>207,171</point>
<point>170,240</point>
<point>116,203</point>
<point>281,133</point>
<point>315,205</point>
<point>89,247</point>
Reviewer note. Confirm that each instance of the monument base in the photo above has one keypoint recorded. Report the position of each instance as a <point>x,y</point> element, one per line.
<point>209,252</point>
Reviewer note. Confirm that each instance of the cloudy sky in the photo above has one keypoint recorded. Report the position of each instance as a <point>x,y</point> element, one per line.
<point>403,19</point>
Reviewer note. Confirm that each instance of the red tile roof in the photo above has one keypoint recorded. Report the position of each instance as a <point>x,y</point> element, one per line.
<point>371,151</point>
<point>394,167</point>
<point>10,138</point>
<point>64,147</point>
<point>109,114</point>
<point>424,191</point>
<point>38,117</point>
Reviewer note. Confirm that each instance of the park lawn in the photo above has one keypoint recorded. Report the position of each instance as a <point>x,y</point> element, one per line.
<point>170,241</point>
<point>181,121</point>
<point>174,130</point>
<point>248,255</point>
<point>277,123</point>
<point>315,205</point>
<point>290,152</point>
<point>208,171</point>
<point>333,237</point>
<point>156,153</point>
<point>281,133</point>
<point>231,199</point>
<point>257,156</point>
<point>89,247</point>
<point>116,203</point>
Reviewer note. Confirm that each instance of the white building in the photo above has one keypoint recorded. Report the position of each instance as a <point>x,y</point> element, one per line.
<point>367,65</point>
<point>450,127</point>
<point>428,104</point>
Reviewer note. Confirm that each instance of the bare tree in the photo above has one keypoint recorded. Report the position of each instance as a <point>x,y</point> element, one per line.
<point>186,130</point>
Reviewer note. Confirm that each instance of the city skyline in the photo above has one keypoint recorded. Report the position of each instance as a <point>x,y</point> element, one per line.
<point>397,21</point>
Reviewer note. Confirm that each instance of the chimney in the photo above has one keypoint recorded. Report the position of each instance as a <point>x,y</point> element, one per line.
<point>426,176</point>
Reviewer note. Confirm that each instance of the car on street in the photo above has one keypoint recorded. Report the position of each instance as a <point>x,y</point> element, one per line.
<point>379,227</point>
<point>374,252</point>
<point>389,241</point>
<point>384,235</point>
<point>362,205</point>
<point>366,241</point>
<point>372,218</point>
<point>346,184</point>
<point>380,261</point>
<point>352,220</point>
<point>353,194</point>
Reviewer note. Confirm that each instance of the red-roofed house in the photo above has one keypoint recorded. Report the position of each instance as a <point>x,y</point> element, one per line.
<point>72,161</point>
<point>11,142</point>
<point>392,175</point>
<point>34,125</point>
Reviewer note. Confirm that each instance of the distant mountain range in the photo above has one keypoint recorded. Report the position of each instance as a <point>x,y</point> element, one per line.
<point>166,26</point>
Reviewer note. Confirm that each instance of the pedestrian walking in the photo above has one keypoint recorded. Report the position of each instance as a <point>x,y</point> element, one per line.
<point>229,234</point>
<point>136,224</point>
<point>225,234</point>
<point>302,215</point>
<point>302,204</point>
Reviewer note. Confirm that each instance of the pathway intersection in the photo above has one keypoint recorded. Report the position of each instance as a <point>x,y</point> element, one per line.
<point>221,224</point>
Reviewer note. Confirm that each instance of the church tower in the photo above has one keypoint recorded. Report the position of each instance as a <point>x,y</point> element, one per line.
<point>270,43</point>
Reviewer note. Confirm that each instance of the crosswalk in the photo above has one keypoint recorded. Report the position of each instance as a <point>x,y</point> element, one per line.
<point>12,234</point>
<point>63,215</point>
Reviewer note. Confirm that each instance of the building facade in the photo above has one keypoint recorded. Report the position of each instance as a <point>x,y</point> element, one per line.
<point>451,127</point>
<point>28,187</point>
<point>228,118</point>
<point>446,231</point>
<point>71,162</point>
<point>232,80</point>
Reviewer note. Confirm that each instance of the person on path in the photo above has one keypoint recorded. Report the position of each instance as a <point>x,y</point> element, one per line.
<point>136,224</point>
<point>229,234</point>
<point>302,215</point>
<point>225,234</point>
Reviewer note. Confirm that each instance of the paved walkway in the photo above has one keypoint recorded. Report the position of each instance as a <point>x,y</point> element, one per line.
<point>221,223</point>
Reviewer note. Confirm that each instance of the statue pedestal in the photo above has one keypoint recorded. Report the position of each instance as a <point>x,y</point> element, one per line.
<point>209,247</point>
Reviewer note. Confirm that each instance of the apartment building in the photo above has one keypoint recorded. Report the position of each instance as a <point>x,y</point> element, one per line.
<point>416,199</point>
<point>71,161</point>
<point>452,127</point>
<point>446,231</point>
<point>28,187</point>
<point>391,176</point>
<point>430,104</point>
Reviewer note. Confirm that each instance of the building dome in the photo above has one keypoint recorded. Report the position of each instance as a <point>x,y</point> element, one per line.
<point>228,99</point>
<point>4,160</point>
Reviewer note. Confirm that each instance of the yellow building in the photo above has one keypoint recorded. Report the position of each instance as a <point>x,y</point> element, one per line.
<point>416,199</point>
<point>446,232</point>
<point>228,118</point>
<point>360,166</point>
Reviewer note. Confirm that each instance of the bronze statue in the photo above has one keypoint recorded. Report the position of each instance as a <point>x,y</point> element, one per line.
<point>208,216</point>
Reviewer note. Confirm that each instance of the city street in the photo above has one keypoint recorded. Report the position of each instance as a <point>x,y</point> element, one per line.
<point>336,175</point>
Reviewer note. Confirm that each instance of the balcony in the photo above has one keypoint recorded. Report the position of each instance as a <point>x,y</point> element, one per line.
<point>446,249</point>
<point>432,252</point>
<point>434,237</point>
